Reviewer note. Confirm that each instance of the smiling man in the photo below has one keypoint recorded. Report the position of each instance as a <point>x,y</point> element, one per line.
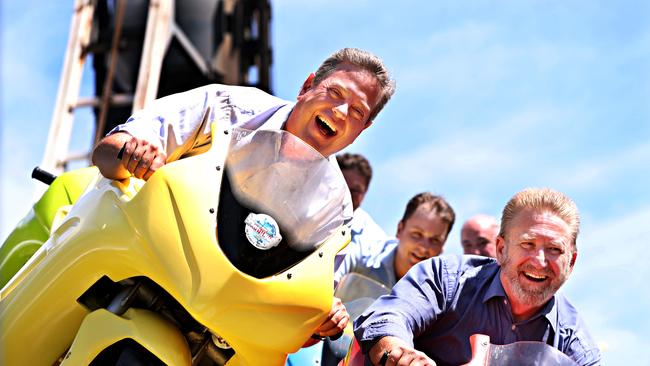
<point>421,234</point>
<point>431,313</point>
<point>334,105</point>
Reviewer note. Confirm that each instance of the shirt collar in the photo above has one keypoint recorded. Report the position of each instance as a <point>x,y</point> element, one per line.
<point>549,311</point>
<point>279,118</point>
<point>496,288</point>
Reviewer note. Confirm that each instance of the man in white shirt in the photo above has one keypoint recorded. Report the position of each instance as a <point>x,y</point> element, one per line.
<point>334,105</point>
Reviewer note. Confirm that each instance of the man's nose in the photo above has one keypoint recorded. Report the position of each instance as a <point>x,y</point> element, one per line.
<point>341,110</point>
<point>540,257</point>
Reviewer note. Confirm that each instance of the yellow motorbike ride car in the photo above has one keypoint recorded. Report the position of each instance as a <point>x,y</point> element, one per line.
<point>224,257</point>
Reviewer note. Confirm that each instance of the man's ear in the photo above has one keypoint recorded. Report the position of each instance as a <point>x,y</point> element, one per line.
<point>307,84</point>
<point>574,256</point>
<point>501,247</point>
<point>400,227</point>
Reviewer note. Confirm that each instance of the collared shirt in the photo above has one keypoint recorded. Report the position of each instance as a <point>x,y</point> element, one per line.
<point>444,300</point>
<point>367,236</point>
<point>379,266</point>
<point>171,120</point>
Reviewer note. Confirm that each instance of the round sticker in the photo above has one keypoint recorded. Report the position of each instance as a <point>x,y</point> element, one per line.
<point>262,231</point>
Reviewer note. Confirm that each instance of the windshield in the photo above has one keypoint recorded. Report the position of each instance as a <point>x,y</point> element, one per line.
<point>357,292</point>
<point>279,201</point>
<point>528,354</point>
<point>523,353</point>
<point>276,173</point>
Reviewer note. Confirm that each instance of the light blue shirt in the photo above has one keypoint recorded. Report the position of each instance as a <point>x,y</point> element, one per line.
<point>444,300</point>
<point>379,266</point>
<point>367,236</point>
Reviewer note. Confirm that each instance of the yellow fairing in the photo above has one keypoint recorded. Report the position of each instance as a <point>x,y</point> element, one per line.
<point>165,232</point>
<point>145,327</point>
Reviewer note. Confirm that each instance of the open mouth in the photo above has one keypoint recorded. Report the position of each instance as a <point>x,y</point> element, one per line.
<point>325,127</point>
<point>419,258</point>
<point>535,278</point>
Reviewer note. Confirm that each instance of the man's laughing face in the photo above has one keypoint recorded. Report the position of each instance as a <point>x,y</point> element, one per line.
<point>536,257</point>
<point>329,116</point>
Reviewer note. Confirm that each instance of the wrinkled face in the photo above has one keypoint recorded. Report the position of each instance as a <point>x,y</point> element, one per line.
<point>329,116</point>
<point>357,186</point>
<point>479,238</point>
<point>420,237</point>
<point>536,258</point>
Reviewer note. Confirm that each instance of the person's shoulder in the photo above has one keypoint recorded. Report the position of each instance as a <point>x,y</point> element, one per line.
<point>569,317</point>
<point>246,97</point>
<point>572,326</point>
<point>462,262</point>
<point>387,248</point>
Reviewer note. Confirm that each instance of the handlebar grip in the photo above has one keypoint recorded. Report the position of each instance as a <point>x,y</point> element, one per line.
<point>43,176</point>
<point>336,336</point>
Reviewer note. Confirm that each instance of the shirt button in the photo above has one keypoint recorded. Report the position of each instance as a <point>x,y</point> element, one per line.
<point>513,327</point>
<point>505,302</point>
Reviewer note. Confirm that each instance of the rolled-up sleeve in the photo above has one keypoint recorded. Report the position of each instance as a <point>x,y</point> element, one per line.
<point>416,301</point>
<point>171,119</point>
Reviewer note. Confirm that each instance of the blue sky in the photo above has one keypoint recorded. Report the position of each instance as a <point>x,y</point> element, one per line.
<point>491,97</point>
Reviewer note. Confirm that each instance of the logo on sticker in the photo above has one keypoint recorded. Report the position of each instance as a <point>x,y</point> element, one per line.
<point>262,231</point>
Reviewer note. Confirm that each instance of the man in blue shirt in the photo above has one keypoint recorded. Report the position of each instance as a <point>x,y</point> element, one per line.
<point>432,311</point>
<point>367,236</point>
<point>421,234</point>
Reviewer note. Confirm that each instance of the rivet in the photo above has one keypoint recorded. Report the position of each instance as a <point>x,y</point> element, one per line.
<point>320,254</point>
<point>225,132</point>
<point>343,232</point>
<point>289,276</point>
<point>211,210</point>
<point>218,167</point>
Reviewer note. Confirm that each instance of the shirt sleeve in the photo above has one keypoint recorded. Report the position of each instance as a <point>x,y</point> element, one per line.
<point>169,121</point>
<point>416,301</point>
<point>349,263</point>
<point>582,348</point>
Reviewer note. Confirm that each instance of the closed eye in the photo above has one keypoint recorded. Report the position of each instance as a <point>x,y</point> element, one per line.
<point>358,113</point>
<point>335,92</point>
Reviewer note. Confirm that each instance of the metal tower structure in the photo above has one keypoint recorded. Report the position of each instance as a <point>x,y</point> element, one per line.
<point>146,49</point>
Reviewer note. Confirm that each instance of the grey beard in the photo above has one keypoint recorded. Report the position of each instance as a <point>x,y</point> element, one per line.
<point>531,296</point>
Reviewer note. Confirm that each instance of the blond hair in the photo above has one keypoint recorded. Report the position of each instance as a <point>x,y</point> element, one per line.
<point>545,199</point>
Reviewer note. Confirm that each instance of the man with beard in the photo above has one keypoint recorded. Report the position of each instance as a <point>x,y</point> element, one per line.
<point>431,313</point>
